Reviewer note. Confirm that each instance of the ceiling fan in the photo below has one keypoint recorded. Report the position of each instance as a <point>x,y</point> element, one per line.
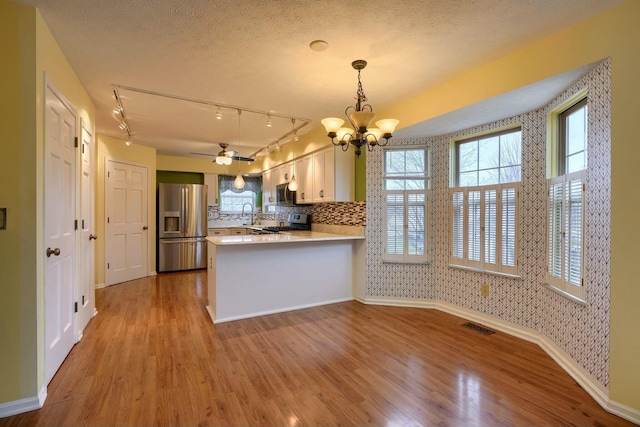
<point>230,154</point>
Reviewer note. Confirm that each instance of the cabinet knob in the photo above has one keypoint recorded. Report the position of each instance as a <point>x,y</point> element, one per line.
<point>321,193</point>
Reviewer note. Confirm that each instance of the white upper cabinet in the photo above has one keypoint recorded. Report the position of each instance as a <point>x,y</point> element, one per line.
<point>283,173</point>
<point>211,181</point>
<point>268,189</point>
<point>304,177</point>
<point>324,176</point>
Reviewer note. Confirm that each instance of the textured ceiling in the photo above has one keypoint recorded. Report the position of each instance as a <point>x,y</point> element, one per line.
<point>255,54</point>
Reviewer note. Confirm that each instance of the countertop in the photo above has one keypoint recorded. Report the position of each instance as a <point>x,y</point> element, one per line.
<point>293,236</point>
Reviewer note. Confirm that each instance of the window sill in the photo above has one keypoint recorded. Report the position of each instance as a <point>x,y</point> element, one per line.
<point>404,261</point>
<point>479,270</point>
<point>567,295</point>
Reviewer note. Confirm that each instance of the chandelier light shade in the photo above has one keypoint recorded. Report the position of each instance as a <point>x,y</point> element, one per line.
<point>360,118</point>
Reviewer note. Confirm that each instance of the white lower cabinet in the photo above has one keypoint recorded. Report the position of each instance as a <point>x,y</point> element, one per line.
<point>218,232</point>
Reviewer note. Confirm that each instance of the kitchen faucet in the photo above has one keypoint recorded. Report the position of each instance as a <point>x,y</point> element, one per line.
<point>250,205</point>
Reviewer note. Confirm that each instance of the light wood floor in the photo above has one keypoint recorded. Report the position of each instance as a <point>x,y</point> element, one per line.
<point>153,357</point>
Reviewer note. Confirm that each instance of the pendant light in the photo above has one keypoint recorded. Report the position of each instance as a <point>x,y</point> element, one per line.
<point>239,181</point>
<point>293,184</point>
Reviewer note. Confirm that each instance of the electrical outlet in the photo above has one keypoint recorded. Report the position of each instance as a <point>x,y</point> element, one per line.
<point>484,289</point>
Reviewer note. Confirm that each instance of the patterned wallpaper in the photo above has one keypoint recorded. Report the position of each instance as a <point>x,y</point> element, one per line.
<point>580,330</point>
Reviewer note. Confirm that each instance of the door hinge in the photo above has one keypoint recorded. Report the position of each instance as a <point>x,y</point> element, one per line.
<point>107,266</point>
<point>82,148</point>
<point>75,141</point>
<point>107,220</point>
<point>75,307</point>
<point>75,224</point>
<point>82,299</point>
<point>108,174</point>
<point>83,224</point>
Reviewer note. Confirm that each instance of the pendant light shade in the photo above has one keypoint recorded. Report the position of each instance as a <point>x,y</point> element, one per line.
<point>239,181</point>
<point>293,184</point>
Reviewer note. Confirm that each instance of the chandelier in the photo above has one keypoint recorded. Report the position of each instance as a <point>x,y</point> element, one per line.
<point>360,118</point>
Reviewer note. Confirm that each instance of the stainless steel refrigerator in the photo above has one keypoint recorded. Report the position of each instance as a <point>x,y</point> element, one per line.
<point>182,227</point>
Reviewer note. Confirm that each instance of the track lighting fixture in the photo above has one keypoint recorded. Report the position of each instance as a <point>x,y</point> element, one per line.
<point>269,122</point>
<point>118,113</point>
<point>218,113</point>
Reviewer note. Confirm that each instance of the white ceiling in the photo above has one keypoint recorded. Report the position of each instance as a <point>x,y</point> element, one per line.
<point>255,54</point>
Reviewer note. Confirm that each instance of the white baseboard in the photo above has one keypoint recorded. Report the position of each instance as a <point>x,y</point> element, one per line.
<point>276,311</point>
<point>153,273</point>
<point>100,285</point>
<point>27,404</point>
<point>587,381</point>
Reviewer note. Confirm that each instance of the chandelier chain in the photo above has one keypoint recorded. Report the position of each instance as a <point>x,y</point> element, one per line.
<point>361,96</point>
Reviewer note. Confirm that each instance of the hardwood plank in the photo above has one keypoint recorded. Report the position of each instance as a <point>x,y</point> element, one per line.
<point>153,357</point>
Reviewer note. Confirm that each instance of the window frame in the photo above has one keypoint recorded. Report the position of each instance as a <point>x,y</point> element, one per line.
<point>480,264</point>
<point>556,168</point>
<point>405,256</point>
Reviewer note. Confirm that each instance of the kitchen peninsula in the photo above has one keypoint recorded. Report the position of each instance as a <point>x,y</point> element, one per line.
<point>254,275</point>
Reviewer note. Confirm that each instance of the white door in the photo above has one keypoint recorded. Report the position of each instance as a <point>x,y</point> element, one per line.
<point>127,228</point>
<point>86,289</point>
<point>59,230</point>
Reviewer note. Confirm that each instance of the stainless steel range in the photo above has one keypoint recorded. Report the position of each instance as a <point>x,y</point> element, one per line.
<point>296,222</point>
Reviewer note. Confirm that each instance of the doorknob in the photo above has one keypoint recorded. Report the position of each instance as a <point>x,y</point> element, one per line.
<point>145,228</point>
<point>55,252</point>
<point>93,237</point>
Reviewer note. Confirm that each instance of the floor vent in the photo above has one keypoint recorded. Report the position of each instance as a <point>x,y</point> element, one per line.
<point>479,328</point>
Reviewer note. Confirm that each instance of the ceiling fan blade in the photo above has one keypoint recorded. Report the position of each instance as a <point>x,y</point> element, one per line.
<point>203,154</point>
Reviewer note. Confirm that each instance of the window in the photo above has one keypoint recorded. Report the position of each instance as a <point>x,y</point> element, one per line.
<point>406,185</point>
<point>566,201</point>
<point>232,199</point>
<point>484,202</point>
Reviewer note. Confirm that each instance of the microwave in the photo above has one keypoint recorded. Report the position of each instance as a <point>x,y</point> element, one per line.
<point>285,197</point>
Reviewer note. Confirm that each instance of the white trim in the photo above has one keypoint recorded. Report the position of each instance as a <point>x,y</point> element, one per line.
<point>100,286</point>
<point>267,312</point>
<point>587,381</point>
<point>27,404</point>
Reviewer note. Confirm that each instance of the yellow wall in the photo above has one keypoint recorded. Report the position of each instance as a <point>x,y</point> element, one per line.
<point>116,149</point>
<point>18,358</point>
<point>28,51</point>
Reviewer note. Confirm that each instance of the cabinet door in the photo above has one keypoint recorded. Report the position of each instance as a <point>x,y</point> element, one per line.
<point>238,231</point>
<point>268,189</point>
<point>304,176</point>
<point>324,176</point>
<point>284,173</point>
<point>218,232</point>
<point>211,181</point>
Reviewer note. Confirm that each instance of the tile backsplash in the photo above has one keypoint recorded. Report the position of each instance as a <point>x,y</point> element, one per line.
<point>338,213</point>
